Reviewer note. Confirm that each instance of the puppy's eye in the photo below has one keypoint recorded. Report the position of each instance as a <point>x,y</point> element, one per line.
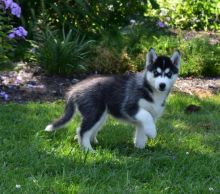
<point>169,74</point>
<point>156,74</point>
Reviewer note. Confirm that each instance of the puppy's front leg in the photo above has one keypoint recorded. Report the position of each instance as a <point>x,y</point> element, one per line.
<point>140,138</point>
<point>146,121</point>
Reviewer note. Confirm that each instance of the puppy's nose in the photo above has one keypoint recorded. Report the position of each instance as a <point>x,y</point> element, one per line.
<point>162,86</point>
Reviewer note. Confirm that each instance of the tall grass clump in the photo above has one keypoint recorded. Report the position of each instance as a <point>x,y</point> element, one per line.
<point>201,58</point>
<point>62,53</point>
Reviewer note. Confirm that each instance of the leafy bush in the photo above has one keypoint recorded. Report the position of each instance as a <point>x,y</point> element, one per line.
<point>62,54</point>
<point>108,61</point>
<point>90,17</point>
<point>123,34</point>
<point>9,36</point>
<point>102,21</point>
<point>199,56</point>
<point>188,14</point>
<point>5,46</point>
<point>118,51</point>
<point>202,58</point>
<point>126,51</point>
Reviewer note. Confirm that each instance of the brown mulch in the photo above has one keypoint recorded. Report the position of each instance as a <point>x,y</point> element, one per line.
<point>31,84</point>
<point>201,87</point>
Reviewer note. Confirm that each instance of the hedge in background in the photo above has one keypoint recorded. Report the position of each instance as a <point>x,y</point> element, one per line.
<point>9,10</point>
<point>189,14</point>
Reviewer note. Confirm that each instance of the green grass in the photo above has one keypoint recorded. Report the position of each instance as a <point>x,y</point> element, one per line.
<point>184,158</point>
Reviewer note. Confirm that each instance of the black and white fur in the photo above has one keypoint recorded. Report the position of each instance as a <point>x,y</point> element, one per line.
<point>136,98</point>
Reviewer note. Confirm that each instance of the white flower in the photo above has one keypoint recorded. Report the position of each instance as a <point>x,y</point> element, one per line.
<point>163,12</point>
<point>132,21</point>
<point>187,153</point>
<point>17,186</point>
<point>111,7</point>
<point>211,189</point>
<point>168,19</point>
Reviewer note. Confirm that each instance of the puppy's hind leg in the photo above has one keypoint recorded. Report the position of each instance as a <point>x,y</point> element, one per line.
<point>100,123</point>
<point>89,128</point>
<point>84,140</point>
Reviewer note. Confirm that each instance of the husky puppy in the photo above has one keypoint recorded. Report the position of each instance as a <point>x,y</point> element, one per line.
<point>137,98</point>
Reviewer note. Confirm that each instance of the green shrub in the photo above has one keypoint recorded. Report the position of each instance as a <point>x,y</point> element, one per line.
<point>9,37</point>
<point>62,54</point>
<point>200,58</point>
<point>5,46</point>
<point>90,17</point>
<point>188,14</point>
<point>124,50</point>
<point>109,61</point>
<point>123,34</point>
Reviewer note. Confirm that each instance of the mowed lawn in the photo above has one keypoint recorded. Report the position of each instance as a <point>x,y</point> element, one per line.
<point>184,158</point>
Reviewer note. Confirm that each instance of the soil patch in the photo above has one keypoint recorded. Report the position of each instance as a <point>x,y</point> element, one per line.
<point>31,84</point>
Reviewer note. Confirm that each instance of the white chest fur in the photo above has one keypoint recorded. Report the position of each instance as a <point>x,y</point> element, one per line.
<point>154,108</point>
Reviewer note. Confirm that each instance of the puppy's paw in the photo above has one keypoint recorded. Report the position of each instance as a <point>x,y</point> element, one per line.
<point>76,137</point>
<point>95,140</point>
<point>151,133</point>
<point>139,144</point>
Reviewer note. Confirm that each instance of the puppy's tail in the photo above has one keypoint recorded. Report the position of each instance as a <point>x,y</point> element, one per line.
<point>64,119</point>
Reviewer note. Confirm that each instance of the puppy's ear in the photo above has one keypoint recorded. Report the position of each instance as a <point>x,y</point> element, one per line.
<point>176,58</point>
<point>151,57</point>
